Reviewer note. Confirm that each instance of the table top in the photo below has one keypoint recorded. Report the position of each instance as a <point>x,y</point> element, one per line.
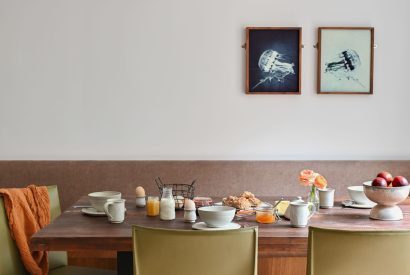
<point>75,231</point>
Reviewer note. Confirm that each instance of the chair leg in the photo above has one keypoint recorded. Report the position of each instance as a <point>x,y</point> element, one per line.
<point>125,263</point>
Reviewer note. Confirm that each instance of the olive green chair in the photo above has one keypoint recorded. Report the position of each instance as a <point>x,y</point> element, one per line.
<point>343,252</point>
<point>10,263</point>
<point>186,252</point>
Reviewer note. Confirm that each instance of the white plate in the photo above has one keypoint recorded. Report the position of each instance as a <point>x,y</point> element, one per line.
<point>203,226</point>
<point>263,204</point>
<point>90,211</point>
<point>356,205</point>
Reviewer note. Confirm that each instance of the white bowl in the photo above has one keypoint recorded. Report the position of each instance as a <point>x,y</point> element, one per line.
<point>356,193</point>
<point>98,199</point>
<point>216,216</point>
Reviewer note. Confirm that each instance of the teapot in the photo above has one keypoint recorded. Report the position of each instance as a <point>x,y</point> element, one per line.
<point>297,200</point>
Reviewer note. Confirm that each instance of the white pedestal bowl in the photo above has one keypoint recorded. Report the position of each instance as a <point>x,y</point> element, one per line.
<point>387,199</point>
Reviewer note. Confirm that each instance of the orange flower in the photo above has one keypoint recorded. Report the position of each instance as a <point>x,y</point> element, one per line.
<point>307,177</point>
<point>320,182</point>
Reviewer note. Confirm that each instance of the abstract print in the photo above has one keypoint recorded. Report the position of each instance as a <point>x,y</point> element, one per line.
<point>345,66</point>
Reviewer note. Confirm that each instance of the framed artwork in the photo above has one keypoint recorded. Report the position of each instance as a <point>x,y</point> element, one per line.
<point>345,60</point>
<point>273,60</point>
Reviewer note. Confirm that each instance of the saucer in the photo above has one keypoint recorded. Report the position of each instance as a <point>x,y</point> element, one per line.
<point>352,204</point>
<point>90,211</point>
<point>203,226</point>
<point>262,204</point>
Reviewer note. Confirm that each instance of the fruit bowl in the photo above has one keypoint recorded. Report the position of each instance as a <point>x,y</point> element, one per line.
<point>387,199</point>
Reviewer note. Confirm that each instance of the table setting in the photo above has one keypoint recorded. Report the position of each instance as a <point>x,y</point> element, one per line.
<point>204,213</point>
<point>283,221</point>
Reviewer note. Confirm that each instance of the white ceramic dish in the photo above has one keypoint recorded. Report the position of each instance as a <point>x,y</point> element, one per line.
<point>203,226</point>
<point>263,204</point>
<point>352,204</point>
<point>357,195</point>
<point>98,199</point>
<point>90,211</point>
<point>216,216</point>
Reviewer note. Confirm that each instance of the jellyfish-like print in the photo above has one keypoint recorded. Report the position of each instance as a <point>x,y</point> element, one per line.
<point>274,66</point>
<point>345,65</point>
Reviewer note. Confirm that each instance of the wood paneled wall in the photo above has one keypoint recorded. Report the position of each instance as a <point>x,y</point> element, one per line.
<point>214,178</point>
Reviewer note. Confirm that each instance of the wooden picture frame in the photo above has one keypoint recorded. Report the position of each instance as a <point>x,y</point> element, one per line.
<point>273,60</point>
<point>345,61</point>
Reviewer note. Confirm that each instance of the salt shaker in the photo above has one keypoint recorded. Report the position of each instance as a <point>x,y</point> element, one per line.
<point>189,211</point>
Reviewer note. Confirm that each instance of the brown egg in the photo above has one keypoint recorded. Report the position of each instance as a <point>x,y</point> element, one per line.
<point>139,191</point>
<point>189,205</point>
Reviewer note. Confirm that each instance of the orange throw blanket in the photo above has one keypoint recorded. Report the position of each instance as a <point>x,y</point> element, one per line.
<point>28,210</point>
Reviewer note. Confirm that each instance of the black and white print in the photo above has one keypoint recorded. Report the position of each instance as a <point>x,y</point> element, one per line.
<point>346,60</point>
<point>273,60</point>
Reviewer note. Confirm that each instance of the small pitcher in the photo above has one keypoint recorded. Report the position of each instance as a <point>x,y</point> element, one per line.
<point>300,213</point>
<point>287,211</point>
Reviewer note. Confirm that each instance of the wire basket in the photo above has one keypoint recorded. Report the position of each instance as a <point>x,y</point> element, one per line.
<point>180,191</point>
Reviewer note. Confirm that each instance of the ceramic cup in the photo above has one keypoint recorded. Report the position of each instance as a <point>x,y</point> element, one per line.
<point>115,210</point>
<point>300,214</point>
<point>326,197</point>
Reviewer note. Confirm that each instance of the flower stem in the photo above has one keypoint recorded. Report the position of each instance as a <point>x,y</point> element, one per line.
<point>312,198</point>
<point>312,193</point>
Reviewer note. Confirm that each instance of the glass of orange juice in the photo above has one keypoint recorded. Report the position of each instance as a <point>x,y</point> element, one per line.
<point>265,214</point>
<point>152,206</point>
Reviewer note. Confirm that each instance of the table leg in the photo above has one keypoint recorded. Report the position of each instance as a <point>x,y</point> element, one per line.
<point>125,263</point>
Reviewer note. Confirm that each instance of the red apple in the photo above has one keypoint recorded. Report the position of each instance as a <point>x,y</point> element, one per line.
<point>379,182</point>
<point>399,181</point>
<point>386,175</point>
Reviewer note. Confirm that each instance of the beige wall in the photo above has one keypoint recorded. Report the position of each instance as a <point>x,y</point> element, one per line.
<point>160,79</point>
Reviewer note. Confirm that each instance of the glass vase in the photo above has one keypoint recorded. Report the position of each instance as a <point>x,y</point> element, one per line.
<point>313,198</point>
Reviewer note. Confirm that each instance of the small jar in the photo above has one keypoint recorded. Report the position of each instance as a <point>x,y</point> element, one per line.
<point>190,216</point>
<point>152,206</point>
<point>265,214</point>
<point>140,201</point>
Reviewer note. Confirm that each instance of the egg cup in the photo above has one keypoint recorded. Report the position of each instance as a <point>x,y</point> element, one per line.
<point>140,201</point>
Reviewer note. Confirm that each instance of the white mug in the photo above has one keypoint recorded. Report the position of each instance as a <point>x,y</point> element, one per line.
<point>326,197</point>
<point>115,210</point>
<point>300,213</point>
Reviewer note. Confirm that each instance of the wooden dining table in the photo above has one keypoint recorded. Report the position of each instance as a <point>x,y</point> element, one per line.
<point>282,248</point>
